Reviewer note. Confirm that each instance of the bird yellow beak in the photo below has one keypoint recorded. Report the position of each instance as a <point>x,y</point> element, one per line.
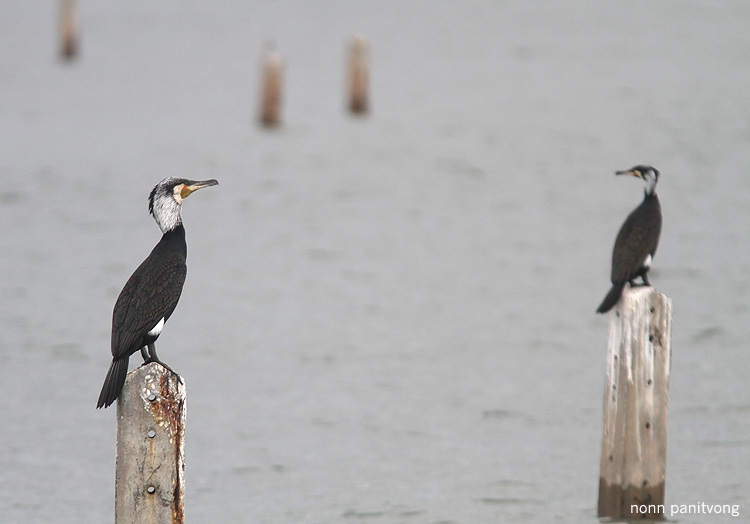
<point>195,186</point>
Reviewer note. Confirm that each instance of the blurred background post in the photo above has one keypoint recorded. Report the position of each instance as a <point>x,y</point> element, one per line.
<point>359,75</point>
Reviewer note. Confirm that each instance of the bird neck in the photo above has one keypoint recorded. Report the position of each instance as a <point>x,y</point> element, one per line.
<point>167,213</point>
<point>174,239</point>
<point>651,179</point>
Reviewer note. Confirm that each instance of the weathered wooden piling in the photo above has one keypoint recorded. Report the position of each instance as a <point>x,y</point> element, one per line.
<point>150,472</point>
<point>271,89</point>
<point>359,76</point>
<point>68,29</point>
<point>636,401</point>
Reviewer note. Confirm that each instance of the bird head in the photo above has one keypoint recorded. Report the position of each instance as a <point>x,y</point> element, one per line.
<point>649,174</point>
<point>166,198</point>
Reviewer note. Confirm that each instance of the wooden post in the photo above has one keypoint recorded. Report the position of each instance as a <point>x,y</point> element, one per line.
<point>150,476</point>
<point>272,84</point>
<point>636,401</point>
<point>359,76</point>
<point>68,29</point>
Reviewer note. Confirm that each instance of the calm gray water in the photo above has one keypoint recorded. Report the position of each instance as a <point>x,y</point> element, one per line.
<point>387,319</point>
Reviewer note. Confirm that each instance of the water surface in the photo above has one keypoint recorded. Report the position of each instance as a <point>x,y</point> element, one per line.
<point>387,319</point>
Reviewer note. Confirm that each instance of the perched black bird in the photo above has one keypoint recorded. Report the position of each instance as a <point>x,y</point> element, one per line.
<point>152,291</point>
<point>637,240</point>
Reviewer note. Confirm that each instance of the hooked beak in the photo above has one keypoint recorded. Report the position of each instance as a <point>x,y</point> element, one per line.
<point>192,186</point>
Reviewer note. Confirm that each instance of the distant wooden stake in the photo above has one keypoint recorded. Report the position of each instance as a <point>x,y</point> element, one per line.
<point>150,473</point>
<point>68,29</point>
<point>359,76</point>
<point>270,111</point>
<point>636,401</point>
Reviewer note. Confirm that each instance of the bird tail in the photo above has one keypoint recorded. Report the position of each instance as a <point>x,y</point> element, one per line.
<point>612,298</point>
<point>112,387</point>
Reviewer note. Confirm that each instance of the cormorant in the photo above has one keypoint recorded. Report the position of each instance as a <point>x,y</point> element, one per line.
<point>151,293</point>
<point>637,240</point>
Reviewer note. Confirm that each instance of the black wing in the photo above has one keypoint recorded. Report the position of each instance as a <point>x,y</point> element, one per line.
<point>150,294</point>
<point>638,238</point>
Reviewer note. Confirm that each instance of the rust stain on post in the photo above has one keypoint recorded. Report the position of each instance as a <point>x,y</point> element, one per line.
<point>169,410</point>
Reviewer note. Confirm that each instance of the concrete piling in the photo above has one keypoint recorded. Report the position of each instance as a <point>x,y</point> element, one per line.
<point>150,471</point>
<point>636,401</point>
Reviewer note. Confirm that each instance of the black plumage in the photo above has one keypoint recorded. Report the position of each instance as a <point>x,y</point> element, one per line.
<point>151,294</point>
<point>637,240</point>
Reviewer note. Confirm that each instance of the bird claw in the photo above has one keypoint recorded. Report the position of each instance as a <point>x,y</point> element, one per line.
<point>162,364</point>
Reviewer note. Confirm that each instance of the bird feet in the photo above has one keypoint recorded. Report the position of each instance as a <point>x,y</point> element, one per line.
<point>149,355</point>
<point>162,364</point>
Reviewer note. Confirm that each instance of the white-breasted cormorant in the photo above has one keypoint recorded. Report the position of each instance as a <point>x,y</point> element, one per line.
<point>637,240</point>
<point>151,293</point>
